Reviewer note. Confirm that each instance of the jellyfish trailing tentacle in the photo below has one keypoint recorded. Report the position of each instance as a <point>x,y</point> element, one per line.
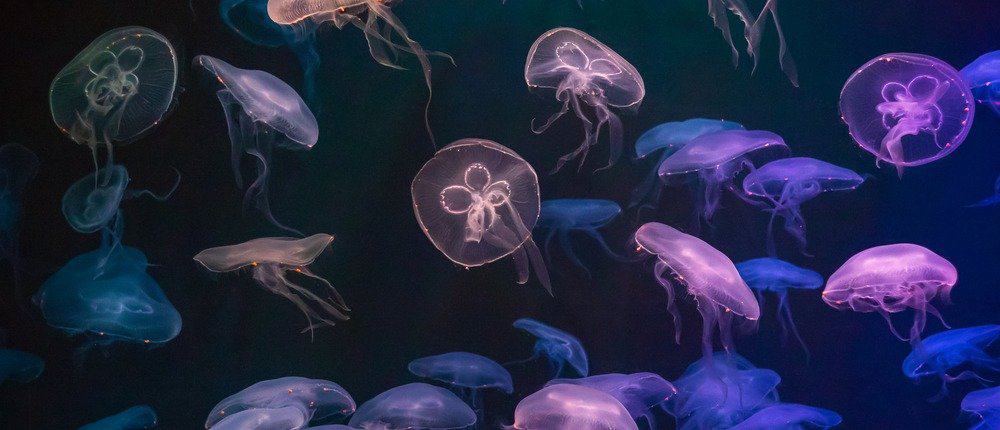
<point>660,271</point>
<point>567,246</point>
<point>589,139</point>
<point>787,323</point>
<point>563,95</point>
<point>605,116</point>
<point>753,36</point>
<point>272,277</point>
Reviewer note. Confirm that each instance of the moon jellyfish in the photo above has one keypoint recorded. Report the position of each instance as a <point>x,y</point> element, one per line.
<point>985,406</point>
<point>710,277</point>
<point>907,109</point>
<point>135,418</point>
<point>19,366</point>
<point>414,406</point>
<point>116,89</point>
<point>571,407</point>
<point>558,347</point>
<point>637,392</point>
<point>562,216</point>
<point>711,162</point>
<point>983,77</point>
<point>790,416</point>
<point>779,276</point>
<point>991,200</point>
<point>721,391</point>
<point>465,372</point>
<point>262,113</point>
<point>753,28</point>
<point>288,399</point>
<point>951,349</point>
<point>270,260</point>
<point>889,279</point>
<point>277,418</point>
<point>18,167</point>
<point>585,74</point>
<point>477,201</point>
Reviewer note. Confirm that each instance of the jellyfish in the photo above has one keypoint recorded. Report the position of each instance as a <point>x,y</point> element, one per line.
<point>951,349</point>
<point>753,28</point>
<point>983,76</point>
<point>790,416</point>
<point>637,392</point>
<point>787,183</point>
<point>115,90</point>
<point>19,366</point>
<point>907,109</point>
<point>18,167</point>
<point>991,200</point>
<point>310,399</point>
<point>331,427</point>
<point>710,277</point>
<point>711,162</point>
<point>571,407</point>
<point>134,418</point>
<point>477,201</point>
<point>562,216</point>
<point>585,74</point>
<point>779,277</point>
<point>413,406</point>
<point>889,279</point>
<point>720,391</point>
<point>558,347</point>
<point>270,259</point>
<point>465,372</point>
<point>984,405</point>
<point>286,417</point>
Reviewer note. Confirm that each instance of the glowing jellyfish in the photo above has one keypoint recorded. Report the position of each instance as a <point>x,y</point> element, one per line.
<point>907,109</point>
<point>93,202</point>
<point>116,89</point>
<point>477,202</point>
<point>414,406</point>
<point>262,113</point>
<point>466,372</point>
<point>991,200</point>
<point>710,277</point>
<point>585,74</point>
<point>19,366</point>
<point>985,406</point>
<point>720,391</point>
<point>983,78</point>
<point>779,277</point>
<point>892,278</point>
<point>752,29</point>
<point>711,162</point>
<point>311,399</point>
<point>134,418</point>
<point>270,260</point>
<point>571,407</point>
<point>18,166</point>
<point>951,349</point>
<point>558,347</point>
<point>639,393</point>
<point>287,417</point>
<point>562,216</point>
<point>790,416</point>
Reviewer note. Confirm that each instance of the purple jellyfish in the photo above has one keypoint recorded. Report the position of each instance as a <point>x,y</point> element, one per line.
<point>950,350</point>
<point>571,407</point>
<point>583,70</point>
<point>414,406</point>
<point>984,405</point>
<point>907,109</point>
<point>790,416</point>
<point>311,399</point>
<point>779,277</point>
<point>752,28</point>
<point>721,390</point>
<point>983,78</point>
<point>639,393</point>
<point>558,347</point>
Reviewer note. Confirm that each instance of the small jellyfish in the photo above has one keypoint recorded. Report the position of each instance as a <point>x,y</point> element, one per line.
<point>907,109</point>
<point>779,277</point>
<point>983,78</point>
<point>950,349</point>
<point>562,216</point>
<point>272,418</point>
<point>413,406</point>
<point>585,74</point>
<point>465,372</point>
<point>312,399</point>
<point>639,393</point>
<point>889,279</point>
<point>790,416</point>
<point>752,28</point>
<point>787,183</point>
<point>721,391</point>
<point>18,167</point>
<point>270,259</point>
<point>984,405</point>
<point>116,89</point>
<point>991,200</point>
<point>19,366</point>
<point>558,347</point>
<point>477,201</point>
<point>571,407</point>
<point>262,113</point>
<point>135,418</point>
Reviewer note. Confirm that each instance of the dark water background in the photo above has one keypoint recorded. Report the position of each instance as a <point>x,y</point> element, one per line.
<point>408,300</point>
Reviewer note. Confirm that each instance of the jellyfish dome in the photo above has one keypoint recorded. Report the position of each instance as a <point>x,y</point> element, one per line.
<point>571,407</point>
<point>943,352</point>
<point>790,416</point>
<point>907,109</point>
<point>559,217</point>
<point>477,201</point>
<point>135,418</point>
<point>92,202</point>
<point>721,390</point>
<point>414,406</point>
<point>586,75</point>
<point>312,399</point>
<point>19,366</point>
<point>463,370</point>
<point>637,392</point>
<point>983,78</point>
<point>557,346</point>
<point>779,277</point>
<point>985,406</point>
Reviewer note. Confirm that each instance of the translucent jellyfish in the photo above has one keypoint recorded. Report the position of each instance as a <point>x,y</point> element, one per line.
<point>586,75</point>
<point>639,393</point>
<point>892,278</point>
<point>753,27</point>
<point>907,109</point>
<point>790,416</point>
<point>720,391</point>
<point>562,216</point>
<point>984,405</point>
<point>414,406</point>
<point>477,201</point>
<point>263,113</point>
<point>787,183</point>
<point>331,427</point>
<point>711,162</point>
<point>19,366</point>
<point>983,77</point>
<point>571,407</point>
<point>558,347</point>
<point>278,418</point>
<point>311,399</point>
<point>116,89</point>
<point>948,350</point>
<point>270,260</point>
<point>465,372</point>
<point>710,277</point>
<point>991,200</point>
<point>134,418</point>
<point>18,166</point>
<point>779,277</point>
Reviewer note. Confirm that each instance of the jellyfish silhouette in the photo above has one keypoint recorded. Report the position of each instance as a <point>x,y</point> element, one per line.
<point>889,279</point>
<point>414,406</point>
<point>720,391</point>
<point>983,78</point>
<point>135,418</point>
<point>262,113</point>
<point>907,109</point>
<point>116,89</point>
<point>753,27</point>
<point>984,405</point>
<point>309,399</point>
<point>584,74</point>
<point>19,366</point>
<point>639,393</point>
<point>951,349</point>
<point>477,201</point>
<point>467,373</point>
<point>790,416</point>
<point>18,167</point>
<point>779,277</point>
<point>557,346</point>
<point>571,407</point>
<point>562,216</point>
<point>991,200</point>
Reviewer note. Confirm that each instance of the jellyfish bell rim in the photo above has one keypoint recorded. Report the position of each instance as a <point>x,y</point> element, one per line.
<point>848,181</point>
<point>201,257</point>
<point>775,144</point>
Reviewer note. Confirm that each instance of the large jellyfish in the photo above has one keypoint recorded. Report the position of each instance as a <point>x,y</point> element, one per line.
<point>983,78</point>
<point>270,260</point>
<point>710,277</point>
<point>18,166</point>
<point>414,406</point>
<point>991,200</point>
<point>890,279</point>
<point>558,347</point>
<point>790,416</point>
<point>779,277</point>
<point>571,407</point>
<point>752,29</point>
<point>950,349</point>
<point>116,89</point>
<point>711,162</point>
<point>19,366</point>
<point>466,373</point>
<point>787,183</point>
<point>135,418</point>
<point>312,399</point>
<point>477,201</point>
<point>721,390</point>
<point>277,418</point>
<point>584,74</point>
<point>262,113</point>
<point>985,406</point>
<point>639,393</point>
<point>562,216</point>
<point>907,109</point>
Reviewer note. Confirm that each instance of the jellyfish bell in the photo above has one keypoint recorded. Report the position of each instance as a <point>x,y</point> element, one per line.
<point>414,406</point>
<point>313,399</point>
<point>463,370</point>
<point>639,393</point>
<point>558,347</point>
<point>790,416</point>
<point>135,418</point>
<point>586,75</point>
<point>943,352</point>
<point>983,78</point>
<point>779,277</point>
<point>287,417</point>
<point>19,366</point>
<point>571,407</point>
<point>984,405</point>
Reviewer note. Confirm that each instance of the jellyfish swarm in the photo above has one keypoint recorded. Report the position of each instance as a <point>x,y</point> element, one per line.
<point>270,259</point>
<point>790,416</point>
<point>477,201</point>
<point>720,391</point>
<point>890,279</point>
<point>571,407</point>
<point>562,216</point>
<point>584,74</point>
<point>991,200</point>
<point>950,349</point>
<point>752,29</point>
<point>984,405</point>
<point>134,418</point>
<point>465,372</point>
<point>288,399</point>
<point>907,109</point>
<point>18,166</point>
<point>637,392</point>
<point>116,89</point>
<point>779,276</point>
<point>558,347</point>
<point>414,406</point>
<point>983,78</point>
<point>19,366</point>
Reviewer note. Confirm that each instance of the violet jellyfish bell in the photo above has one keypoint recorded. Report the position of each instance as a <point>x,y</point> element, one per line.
<point>477,201</point>
<point>586,75</point>
<point>286,417</point>
<point>983,78</point>
<point>639,393</point>
<point>720,391</point>
<point>414,406</point>
<point>764,275</point>
<point>571,407</point>
<point>984,405</point>
<point>907,109</point>
<point>135,418</point>
<point>949,350</point>
<point>466,373</point>
<point>560,217</point>
<point>19,366</point>
<point>18,166</point>
<point>790,416</point>
<point>557,346</point>
<point>753,27</point>
<point>311,399</point>
<point>262,113</point>
<point>991,200</point>
<point>890,279</point>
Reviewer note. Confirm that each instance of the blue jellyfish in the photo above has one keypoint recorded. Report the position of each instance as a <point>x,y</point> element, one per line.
<point>983,77</point>
<point>19,366</point>
<point>558,347</point>
<point>18,166</point>
<point>135,418</point>
<point>991,200</point>
<point>465,372</point>
<point>414,406</point>
<point>790,416</point>
<point>311,399</point>
<point>779,276</point>
<point>639,393</point>
<point>985,406</point>
<point>951,349</point>
<point>721,391</point>
<point>561,216</point>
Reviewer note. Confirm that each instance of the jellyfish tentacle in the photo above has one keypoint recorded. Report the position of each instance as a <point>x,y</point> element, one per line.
<point>614,130</point>
<point>788,323</point>
<point>549,235</point>
<point>717,11</point>
<point>530,248</point>
<point>567,245</point>
<point>337,298</point>
<point>580,151</point>
<point>888,320</point>
<point>659,272</point>
<point>238,123</point>
<point>594,234</point>
<point>257,192</point>
<point>554,117</point>
<point>132,194</point>
<point>934,311</point>
<point>754,36</point>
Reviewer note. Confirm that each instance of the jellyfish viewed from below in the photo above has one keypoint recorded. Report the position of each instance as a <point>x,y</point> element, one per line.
<point>753,27</point>
<point>991,200</point>
<point>949,350</point>
<point>135,418</point>
<point>289,399</point>
<point>790,416</point>
<point>414,406</point>
<point>571,407</point>
<point>720,391</point>
<point>477,201</point>
<point>639,393</point>
<point>560,217</point>
<point>557,346</point>
<point>466,373</point>
<point>907,109</point>
<point>18,167</point>
<point>779,277</point>
<point>983,78</point>
<point>984,405</point>
<point>19,366</point>
<point>586,76</point>
<point>262,113</point>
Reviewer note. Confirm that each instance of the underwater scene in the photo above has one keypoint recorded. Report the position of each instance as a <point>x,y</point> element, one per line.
<point>489,214</point>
